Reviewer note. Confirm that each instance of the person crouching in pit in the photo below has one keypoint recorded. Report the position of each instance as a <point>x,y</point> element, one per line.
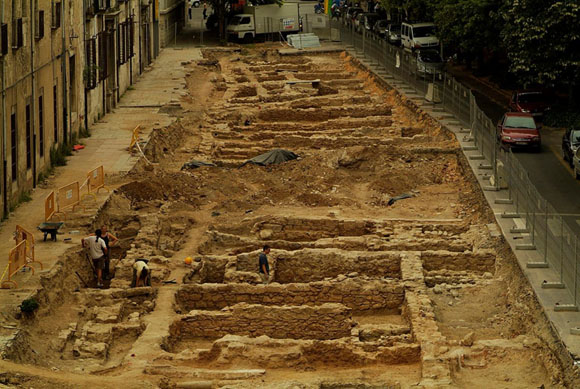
<point>141,273</point>
<point>264,266</point>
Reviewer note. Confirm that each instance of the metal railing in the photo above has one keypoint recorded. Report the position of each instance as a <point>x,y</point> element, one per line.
<point>543,229</point>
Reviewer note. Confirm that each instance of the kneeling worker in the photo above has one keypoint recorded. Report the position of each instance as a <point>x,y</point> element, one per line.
<point>141,273</point>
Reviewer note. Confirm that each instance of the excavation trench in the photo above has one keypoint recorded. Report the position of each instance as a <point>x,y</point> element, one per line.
<point>368,288</point>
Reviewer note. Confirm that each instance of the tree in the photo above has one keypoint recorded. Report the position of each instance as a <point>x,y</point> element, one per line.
<point>542,39</point>
<point>469,27</point>
<point>411,9</point>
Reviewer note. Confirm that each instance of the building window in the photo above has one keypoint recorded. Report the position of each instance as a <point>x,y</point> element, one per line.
<point>103,59</point>
<point>39,33</point>
<point>17,34</point>
<point>56,14</point>
<point>90,72</point>
<point>41,125</point>
<point>4,39</point>
<point>13,146</point>
<point>55,107</point>
<point>122,43</point>
<point>28,138</point>
<point>131,37</point>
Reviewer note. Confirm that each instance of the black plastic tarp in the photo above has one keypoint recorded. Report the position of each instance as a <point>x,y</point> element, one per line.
<point>272,157</point>
<point>195,164</point>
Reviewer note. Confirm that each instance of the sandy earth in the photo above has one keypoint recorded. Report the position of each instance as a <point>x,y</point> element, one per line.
<point>434,299</point>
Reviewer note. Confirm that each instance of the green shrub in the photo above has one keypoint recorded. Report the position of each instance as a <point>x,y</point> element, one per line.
<point>84,132</point>
<point>29,305</point>
<point>58,155</point>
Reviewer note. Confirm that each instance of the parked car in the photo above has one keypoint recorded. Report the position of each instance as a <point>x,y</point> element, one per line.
<point>532,101</point>
<point>570,144</point>
<point>359,21</point>
<point>518,129</point>
<point>351,14</point>
<point>380,28</point>
<point>576,163</point>
<point>393,34</point>
<point>429,62</point>
<point>419,36</point>
<point>369,20</point>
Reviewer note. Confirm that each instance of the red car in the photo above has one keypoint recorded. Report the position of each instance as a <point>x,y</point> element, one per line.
<point>517,129</point>
<point>535,102</point>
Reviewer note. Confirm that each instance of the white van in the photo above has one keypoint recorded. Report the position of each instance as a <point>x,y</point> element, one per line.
<point>418,35</point>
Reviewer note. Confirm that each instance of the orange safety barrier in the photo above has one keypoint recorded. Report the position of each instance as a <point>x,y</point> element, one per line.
<point>96,180</point>
<point>16,261</point>
<point>135,136</point>
<point>21,235</point>
<point>49,206</point>
<point>68,196</point>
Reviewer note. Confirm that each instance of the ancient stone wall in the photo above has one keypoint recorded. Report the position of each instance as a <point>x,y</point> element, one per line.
<point>479,261</point>
<point>309,229</point>
<point>355,294</point>
<point>309,115</point>
<point>315,265</point>
<point>311,265</point>
<point>327,321</point>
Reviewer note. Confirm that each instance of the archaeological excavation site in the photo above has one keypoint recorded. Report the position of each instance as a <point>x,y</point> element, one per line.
<point>387,269</point>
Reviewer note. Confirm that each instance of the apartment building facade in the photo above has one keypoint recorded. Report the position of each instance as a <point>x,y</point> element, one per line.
<point>118,41</point>
<point>41,79</point>
<point>63,65</point>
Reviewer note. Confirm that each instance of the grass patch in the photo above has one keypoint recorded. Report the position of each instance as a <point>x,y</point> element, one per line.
<point>58,154</point>
<point>43,176</point>
<point>84,132</point>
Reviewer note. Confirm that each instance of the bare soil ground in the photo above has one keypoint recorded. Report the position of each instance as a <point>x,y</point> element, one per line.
<point>365,293</point>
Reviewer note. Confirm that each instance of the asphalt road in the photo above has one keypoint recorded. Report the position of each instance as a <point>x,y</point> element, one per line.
<point>549,173</point>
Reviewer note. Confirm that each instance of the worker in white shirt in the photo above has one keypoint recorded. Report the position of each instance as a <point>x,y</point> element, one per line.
<point>98,251</point>
<point>141,273</point>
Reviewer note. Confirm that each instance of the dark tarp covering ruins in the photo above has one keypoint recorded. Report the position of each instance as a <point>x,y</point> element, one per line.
<point>195,164</point>
<point>272,157</point>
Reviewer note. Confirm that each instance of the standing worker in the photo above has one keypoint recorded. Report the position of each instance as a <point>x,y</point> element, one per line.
<point>204,10</point>
<point>264,266</point>
<point>98,250</point>
<point>110,240</point>
<point>141,273</point>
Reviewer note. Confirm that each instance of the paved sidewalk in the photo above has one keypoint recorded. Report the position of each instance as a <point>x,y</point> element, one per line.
<point>161,85</point>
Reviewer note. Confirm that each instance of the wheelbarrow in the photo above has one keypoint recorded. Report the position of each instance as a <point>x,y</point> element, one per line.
<point>50,228</point>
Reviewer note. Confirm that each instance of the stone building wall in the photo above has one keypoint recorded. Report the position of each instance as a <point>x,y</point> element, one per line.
<point>327,321</point>
<point>480,261</point>
<point>356,294</point>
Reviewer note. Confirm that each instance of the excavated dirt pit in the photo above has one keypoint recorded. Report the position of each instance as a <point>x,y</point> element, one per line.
<point>368,290</point>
